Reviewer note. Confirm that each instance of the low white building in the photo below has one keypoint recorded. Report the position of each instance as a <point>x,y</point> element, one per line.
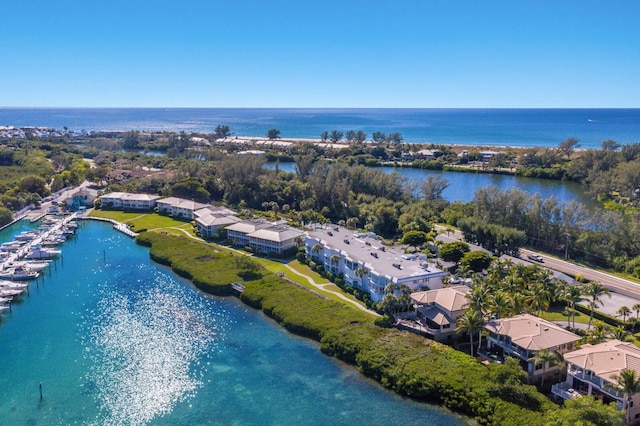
<point>128,201</point>
<point>179,207</point>
<point>594,370</point>
<point>211,218</point>
<point>367,264</point>
<point>264,236</point>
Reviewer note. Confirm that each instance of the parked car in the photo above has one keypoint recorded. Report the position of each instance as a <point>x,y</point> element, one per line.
<point>535,257</point>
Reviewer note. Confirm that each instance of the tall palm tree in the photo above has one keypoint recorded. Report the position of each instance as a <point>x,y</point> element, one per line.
<point>500,304</point>
<point>624,311</point>
<point>538,298</point>
<point>595,291</point>
<point>629,384</point>
<point>469,322</point>
<point>636,308</point>
<point>573,296</point>
<point>547,358</point>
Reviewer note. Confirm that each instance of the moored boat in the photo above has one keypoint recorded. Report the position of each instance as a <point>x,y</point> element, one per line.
<point>39,252</point>
<point>18,274</point>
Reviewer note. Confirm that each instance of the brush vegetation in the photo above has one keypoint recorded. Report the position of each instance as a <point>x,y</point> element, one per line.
<point>422,369</point>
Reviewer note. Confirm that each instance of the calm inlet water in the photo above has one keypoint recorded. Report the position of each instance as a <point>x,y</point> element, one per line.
<point>116,339</point>
<point>462,186</point>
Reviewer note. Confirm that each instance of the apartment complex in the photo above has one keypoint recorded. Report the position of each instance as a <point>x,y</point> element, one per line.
<point>369,265</point>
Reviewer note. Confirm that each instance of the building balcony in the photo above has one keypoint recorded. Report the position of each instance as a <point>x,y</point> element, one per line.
<point>565,391</point>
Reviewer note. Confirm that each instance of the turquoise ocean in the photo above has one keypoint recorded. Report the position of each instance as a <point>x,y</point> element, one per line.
<point>116,339</point>
<point>502,127</point>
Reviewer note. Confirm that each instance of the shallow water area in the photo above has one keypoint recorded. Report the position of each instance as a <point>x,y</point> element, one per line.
<point>117,339</point>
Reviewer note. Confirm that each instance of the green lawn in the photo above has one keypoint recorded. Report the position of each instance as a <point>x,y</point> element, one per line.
<point>556,315</point>
<point>148,221</point>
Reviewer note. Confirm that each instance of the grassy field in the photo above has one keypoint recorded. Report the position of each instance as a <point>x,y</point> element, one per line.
<point>147,221</point>
<point>556,315</point>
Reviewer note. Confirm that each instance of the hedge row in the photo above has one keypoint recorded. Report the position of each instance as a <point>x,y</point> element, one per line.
<point>410,365</point>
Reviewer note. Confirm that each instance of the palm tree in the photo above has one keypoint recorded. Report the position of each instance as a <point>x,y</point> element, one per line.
<point>538,298</point>
<point>595,291</point>
<point>569,313</point>
<point>573,296</point>
<point>619,333</point>
<point>547,358</point>
<point>623,312</point>
<point>317,248</point>
<point>501,304</point>
<point>628,384</point>
<point>469,322</point>
<point>636,308</point>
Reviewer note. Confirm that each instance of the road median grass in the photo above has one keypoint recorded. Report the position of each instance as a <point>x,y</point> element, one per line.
<point>406,363</point>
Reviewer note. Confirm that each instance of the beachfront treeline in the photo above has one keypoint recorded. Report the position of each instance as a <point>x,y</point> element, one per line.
<point>335,184</point>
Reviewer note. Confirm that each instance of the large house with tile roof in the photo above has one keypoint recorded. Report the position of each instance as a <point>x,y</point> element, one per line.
<point>438,310</point>
<point>367,264</point>
<point>522,337</point>
<point>594,370</point>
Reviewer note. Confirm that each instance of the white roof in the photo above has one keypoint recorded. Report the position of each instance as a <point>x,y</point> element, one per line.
<point>182,203</point>
<point>249,226</point>
<point>216,220</point>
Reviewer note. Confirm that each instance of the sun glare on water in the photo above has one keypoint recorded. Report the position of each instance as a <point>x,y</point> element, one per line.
<point>145,349</point>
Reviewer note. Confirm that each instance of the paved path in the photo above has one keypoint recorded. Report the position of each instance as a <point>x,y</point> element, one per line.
<point>327,290</point>
<point>319,286</point>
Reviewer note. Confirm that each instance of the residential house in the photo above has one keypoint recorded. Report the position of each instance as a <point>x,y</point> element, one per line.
<point>80,199</point>
<point>522,337</point>
<point>594,369</point>
<point>367,264</point>
<point>438,310</point>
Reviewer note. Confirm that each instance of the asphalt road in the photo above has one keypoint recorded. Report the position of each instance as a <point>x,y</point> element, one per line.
<point>613,283</point>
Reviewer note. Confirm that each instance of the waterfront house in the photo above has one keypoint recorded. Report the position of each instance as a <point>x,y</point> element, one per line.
<point>594,369</point>
<point>79,199</point>
<point>438,310</point>
<point>367,264</point>
<point>522,337</point>
<point>127,201</point>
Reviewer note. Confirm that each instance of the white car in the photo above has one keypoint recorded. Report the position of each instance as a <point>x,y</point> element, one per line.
<point>536,257</point>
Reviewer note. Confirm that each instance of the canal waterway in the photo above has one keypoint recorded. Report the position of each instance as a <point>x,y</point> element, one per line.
<point>462,185</point>
<point>116,339</point>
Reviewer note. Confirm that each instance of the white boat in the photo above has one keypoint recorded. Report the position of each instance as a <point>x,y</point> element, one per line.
<point>11,246</point>
<point>19,274</point>
<point>26,236</point>
<point>10,285</point>
<point>32,265</point>
<point>5,300</point>
<point>39,252</point>
<point>10,293</point>
<point>4,308</point>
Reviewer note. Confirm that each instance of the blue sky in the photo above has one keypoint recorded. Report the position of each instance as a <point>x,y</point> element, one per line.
<point>299,53</point>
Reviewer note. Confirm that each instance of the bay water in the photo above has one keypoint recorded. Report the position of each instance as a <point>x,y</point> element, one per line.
<point>116,339</point>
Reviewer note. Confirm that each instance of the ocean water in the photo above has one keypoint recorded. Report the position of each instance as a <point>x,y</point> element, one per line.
<point>116,339</point>
<point>503,127</point>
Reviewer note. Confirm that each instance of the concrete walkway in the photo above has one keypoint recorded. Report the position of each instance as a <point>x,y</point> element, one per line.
<point>323,288</point>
